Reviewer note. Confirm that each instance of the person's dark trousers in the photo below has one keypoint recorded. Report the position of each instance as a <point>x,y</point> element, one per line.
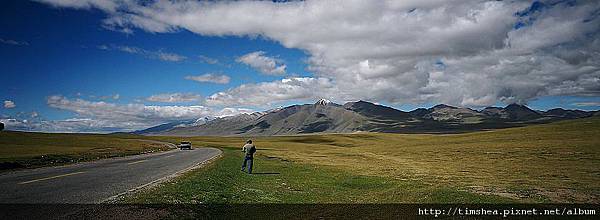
<point>247,161</point>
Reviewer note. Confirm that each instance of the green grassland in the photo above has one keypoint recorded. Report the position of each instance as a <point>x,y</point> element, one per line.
<point>558,162</point>
<point>277,180</point>
<point>29,150</point>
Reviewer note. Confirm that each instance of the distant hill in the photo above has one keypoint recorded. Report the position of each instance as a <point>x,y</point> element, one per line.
<point>171,125</point>
<point>322,116</point>
<point>327,117</point>
<point>562,113</point>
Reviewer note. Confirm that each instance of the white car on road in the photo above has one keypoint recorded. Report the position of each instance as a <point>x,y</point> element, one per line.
<point>185,145</point>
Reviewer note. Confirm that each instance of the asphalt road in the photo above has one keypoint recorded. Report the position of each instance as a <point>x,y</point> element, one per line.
<point>94,182</point>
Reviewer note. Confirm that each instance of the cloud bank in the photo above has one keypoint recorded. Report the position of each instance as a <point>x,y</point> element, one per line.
<point>174,97</point>
<point>462,52</point>
<point>100,116</point>
<point>586,104</point>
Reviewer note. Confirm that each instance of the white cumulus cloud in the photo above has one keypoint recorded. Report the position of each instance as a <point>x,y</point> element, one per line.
<point>127,112</point>
<point>265,94</point>
<point>9,104</point>
<point>264,64</point>
<point>461,52</point>
<point>100,116</point>
<point>211,78</point>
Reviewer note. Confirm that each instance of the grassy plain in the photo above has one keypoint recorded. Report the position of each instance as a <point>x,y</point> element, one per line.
<point>277,180</point>
<point>558,162</point>
<point>29,150</point>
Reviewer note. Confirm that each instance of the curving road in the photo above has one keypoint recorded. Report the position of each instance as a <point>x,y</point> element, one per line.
<point>95,182</point>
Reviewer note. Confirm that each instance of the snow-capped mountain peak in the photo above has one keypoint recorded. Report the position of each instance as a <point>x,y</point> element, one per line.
<point>203,120</point>
<point>323,102</point>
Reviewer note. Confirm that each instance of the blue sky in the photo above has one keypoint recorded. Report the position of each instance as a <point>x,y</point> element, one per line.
<point>63,56</point>
<point>62,62</point>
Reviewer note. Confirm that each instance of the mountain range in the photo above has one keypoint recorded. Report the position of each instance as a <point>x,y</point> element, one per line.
<point>327,117</point>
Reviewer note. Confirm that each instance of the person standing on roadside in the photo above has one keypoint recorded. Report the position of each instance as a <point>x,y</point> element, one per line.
<point>249,149</point>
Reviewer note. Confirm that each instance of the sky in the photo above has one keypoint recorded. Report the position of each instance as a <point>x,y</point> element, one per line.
<point>122,65</point>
